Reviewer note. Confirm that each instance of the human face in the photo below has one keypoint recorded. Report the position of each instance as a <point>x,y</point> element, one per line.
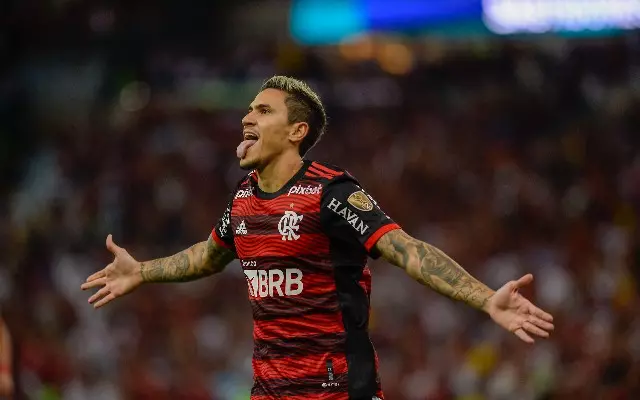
<point>266,130</point>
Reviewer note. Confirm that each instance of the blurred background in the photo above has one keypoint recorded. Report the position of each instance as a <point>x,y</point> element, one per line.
<point>505,132</point>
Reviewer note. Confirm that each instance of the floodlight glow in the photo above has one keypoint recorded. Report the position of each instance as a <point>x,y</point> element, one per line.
<point>542,16</point>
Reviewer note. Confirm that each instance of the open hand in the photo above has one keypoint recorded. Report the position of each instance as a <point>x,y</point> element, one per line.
<point>116,279</point>
<point>509,309</point>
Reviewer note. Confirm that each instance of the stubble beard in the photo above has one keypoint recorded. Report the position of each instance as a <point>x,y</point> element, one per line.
<point>248,165</point>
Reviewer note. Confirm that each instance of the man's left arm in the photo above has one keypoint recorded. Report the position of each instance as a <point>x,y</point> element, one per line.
<point>350,215</point>
<point>432,267</point>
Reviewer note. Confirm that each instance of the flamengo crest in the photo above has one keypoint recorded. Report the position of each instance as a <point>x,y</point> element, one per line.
<point>289,225</point>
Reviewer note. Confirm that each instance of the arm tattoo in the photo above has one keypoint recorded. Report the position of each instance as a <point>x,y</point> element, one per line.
<point>432,267</point>
<point>200,260</point>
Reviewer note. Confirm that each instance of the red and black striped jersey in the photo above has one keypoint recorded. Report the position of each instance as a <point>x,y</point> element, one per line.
<point>304,253</point>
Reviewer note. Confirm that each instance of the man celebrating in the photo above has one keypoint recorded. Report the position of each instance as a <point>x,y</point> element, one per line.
<point>302,231</point>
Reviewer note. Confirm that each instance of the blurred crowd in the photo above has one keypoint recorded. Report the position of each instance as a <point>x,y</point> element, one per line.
<point>512,157</point>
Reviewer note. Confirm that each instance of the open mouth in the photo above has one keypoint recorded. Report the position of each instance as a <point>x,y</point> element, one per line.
<point>250,138</point>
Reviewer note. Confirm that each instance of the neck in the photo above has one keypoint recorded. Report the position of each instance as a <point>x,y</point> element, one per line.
<point>277,173</point>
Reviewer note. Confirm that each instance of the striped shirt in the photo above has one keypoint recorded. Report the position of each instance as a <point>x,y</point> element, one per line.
<point>304,253</point>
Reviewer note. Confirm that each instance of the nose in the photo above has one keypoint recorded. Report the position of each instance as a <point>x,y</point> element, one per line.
<point>248,120</point>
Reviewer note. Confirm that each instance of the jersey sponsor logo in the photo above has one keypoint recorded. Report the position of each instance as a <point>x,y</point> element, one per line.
<point>241,229</point>
<point>360,201</point>
<point>274,282</point>
<point>299,189</point>
<point>244,193</point>
<point>351,217</point>
<point>289,225</point>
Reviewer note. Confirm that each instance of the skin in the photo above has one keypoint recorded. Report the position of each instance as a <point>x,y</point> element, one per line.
<point>276,159</point>
<point>275,156</point>
<point>433,268</point>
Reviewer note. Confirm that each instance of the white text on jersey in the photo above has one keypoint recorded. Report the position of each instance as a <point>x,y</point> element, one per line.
<point>350,216</point>
<point>241,194</point>
<point>272,282</point>
<point>299,189</point>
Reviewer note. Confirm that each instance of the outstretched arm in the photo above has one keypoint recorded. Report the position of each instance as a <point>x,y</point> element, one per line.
<point>125,274</point>
<point>432,267</point>
<point>200,260</point>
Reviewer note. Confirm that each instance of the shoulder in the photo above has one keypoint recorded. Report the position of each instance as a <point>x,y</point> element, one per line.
<point>339,186</point>
<point>244,186</point>
<point>328,174</point>
<point>249,179</point>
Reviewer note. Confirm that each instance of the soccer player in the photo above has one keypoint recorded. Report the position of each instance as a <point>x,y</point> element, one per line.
<point>302,231</point>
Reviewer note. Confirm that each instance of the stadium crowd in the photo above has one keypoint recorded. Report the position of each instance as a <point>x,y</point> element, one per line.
<point>512,158</point>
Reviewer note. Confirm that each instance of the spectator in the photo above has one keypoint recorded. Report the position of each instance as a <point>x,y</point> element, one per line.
<point>6,372</point>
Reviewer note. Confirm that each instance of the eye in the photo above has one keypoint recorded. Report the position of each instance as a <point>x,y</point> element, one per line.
<point>264,111</point>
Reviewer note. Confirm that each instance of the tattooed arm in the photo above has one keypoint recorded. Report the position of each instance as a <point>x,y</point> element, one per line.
<point>200,260</point>
<point>125,274</point>
<point>432,267</point>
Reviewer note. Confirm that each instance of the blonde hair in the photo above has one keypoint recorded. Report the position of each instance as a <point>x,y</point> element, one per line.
<point>303,105</point>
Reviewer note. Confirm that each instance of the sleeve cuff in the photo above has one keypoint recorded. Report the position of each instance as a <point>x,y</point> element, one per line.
<point>373,239</point>
<point>217,239</point>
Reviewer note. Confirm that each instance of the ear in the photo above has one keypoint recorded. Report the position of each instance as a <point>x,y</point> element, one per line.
<point>299,131</point>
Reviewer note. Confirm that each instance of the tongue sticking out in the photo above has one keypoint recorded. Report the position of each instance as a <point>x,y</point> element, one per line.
<point>241,151</point>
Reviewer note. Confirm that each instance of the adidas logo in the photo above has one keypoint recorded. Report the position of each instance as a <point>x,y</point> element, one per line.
<point>241,229</point>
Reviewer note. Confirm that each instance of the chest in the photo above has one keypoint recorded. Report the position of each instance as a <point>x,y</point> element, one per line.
<point>286,225</point>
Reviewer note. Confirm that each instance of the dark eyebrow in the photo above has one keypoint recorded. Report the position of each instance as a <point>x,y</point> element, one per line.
<point>259,107</point>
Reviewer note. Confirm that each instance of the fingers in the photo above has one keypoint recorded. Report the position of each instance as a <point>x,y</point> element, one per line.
<point>100,274</point>
<point>105,300</point>
<point>531,328</point>
<point>524,281</point>
<point>111,246</point>
<point>523,336</point>
<point>547,326</point>
<point>99,294</point>
<point>533,310</point>
<point>94,283</point>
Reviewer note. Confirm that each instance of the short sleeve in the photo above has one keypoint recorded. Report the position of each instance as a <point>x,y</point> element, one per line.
<point>222,232</point>
<point>350,214</point>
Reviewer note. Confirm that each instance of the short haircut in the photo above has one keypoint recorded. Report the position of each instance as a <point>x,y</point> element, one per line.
<point>303,105</point>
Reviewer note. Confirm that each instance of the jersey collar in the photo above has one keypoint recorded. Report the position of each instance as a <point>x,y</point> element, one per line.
<point>267,196</point>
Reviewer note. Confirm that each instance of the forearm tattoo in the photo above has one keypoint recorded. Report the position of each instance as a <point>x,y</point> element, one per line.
<point>432,267</point>
<point>200,260</point>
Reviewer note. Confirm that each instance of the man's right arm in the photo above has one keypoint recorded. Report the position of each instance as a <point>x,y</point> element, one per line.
<point>200,260</point>
<point>124,274</point>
